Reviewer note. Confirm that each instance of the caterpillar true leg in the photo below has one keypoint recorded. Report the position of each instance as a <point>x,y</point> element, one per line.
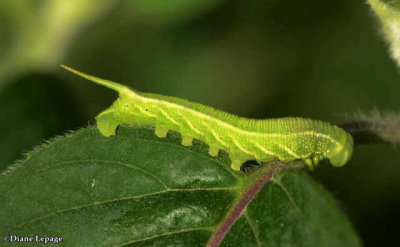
<point>309,163</point>
<point>315,160</point>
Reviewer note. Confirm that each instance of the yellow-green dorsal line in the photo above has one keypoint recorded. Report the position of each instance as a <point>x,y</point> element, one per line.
<point>284,139</point>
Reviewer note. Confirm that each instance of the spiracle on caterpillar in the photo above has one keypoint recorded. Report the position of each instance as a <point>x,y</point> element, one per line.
<point>284,139</point>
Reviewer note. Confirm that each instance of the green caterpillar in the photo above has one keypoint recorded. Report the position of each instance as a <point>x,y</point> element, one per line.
<point>284,139</point>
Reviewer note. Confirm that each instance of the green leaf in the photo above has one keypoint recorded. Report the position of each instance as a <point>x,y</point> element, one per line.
<point>134,189</point>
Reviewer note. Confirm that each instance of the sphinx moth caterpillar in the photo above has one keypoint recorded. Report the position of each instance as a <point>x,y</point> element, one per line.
<point>284,139</point>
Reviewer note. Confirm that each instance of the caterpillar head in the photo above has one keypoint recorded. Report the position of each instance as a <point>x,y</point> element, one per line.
<point>342,153</point>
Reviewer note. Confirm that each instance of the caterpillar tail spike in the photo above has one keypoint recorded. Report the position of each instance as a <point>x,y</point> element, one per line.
<point>110,84</point>
<point>280,139</point>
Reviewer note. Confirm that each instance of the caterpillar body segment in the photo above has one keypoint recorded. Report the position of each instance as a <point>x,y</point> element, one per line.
<point>284,139</point>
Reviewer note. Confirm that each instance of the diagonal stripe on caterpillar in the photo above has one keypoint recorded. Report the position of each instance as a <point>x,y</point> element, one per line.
<point>284,139</point>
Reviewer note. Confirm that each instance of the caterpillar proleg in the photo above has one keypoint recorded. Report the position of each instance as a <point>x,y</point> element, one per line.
<point>284,139</point>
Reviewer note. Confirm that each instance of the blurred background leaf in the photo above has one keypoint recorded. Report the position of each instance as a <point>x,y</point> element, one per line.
<point>318,59</point>
<point>388,12</point>
<point>37,33</point>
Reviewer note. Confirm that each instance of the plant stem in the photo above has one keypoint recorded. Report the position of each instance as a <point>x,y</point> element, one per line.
<point>373,131</point>
<point>264,177</point>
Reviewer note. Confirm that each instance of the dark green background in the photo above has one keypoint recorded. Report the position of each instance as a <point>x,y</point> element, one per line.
<point>262,59</point>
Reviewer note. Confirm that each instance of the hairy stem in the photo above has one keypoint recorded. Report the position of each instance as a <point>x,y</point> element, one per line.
<point>373,131</point>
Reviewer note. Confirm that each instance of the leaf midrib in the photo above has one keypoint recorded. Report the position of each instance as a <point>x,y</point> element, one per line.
<point>98,203</point>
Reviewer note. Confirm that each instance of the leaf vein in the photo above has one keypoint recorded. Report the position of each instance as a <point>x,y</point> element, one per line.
<point>253,228</point>
<point>89,160</point>
<point>33,220</point>
<point>165,234</point>
<point>290,198</point>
